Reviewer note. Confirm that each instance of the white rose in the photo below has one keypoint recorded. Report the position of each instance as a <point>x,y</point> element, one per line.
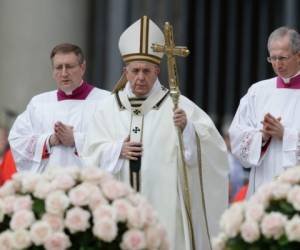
<point>232,219</point>
<point>77,220</point>
<point>133,239</point>
<point>8,188</point>
<point>2,210</point>
<point>29,182</point>
<point>273,225</point>
<point>80,195</point>
<point>121,207</point>
<point>55,221</point>
<point>291,176</point>
<point>22,203</point>
<point>292,229</point>
<point>102,212</point>
<point>250,231</point>
<point>21,219</point>
<point>105,229</point>
<point>96,198</point>
<point>56,202</point>
<point>280,190</point>
<point>42,189</point>
<point>39,232</point>
<point>152,234</point>
<point>21,239</point>
<point>63,182</point>
<point>57,241</point>
<point>8,204</point>
<point>135,218</point>
<point>6,240</point>
<point>219,242</point>
<point>254,211</point>
<point>113,189</point>
<point>94,175</point>
<point>294,197</point>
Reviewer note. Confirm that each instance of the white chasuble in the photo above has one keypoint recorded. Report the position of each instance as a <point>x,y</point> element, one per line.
<point>32,128</point>
<point>208,177</point>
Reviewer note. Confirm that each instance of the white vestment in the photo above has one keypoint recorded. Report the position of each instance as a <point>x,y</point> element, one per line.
<point>246,139</point>
<point>208,181</point>
<point>33,127</point>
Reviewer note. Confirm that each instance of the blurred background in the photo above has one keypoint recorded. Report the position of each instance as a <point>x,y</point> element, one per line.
<point>227,40</point>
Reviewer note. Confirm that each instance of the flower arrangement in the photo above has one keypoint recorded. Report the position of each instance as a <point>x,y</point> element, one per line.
<point>270,219</point>
<point>77,209</point>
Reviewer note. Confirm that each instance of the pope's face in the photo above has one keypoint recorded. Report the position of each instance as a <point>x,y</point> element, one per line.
<point>142,76</point>
<point>67,71</point>
<point>288,65</point>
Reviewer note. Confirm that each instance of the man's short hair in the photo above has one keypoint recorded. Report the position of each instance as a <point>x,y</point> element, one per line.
<point>286,31</point>
<point>65,48</point>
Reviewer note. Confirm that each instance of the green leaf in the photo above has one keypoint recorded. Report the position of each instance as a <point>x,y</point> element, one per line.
<point>38,207</point>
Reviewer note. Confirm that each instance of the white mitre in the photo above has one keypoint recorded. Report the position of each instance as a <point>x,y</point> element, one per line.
<point>136,41</point>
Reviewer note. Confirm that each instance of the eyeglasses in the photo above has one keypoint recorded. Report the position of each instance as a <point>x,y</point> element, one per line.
<point>68,67</point>
<point>281,59</point>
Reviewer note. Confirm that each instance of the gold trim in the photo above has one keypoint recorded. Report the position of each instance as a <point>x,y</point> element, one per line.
<point>202,190</point>
<point>140,57</point>
<point>144,35</point>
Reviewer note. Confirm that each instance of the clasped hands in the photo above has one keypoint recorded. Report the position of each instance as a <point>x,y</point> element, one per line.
<point>133,150</point>
<point>272,127</point>
<point>63,135</point>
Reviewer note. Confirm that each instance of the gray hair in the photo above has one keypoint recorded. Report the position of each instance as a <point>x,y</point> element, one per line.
<point>286,31</point>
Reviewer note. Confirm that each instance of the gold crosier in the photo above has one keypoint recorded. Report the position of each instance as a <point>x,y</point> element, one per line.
<point>171,51</point>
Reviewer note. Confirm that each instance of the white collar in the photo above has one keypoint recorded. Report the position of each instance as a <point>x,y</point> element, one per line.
<point>287,80</point>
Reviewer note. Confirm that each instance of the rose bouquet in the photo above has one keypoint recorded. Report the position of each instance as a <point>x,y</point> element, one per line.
<point>270,219</point>
<point>76,209</point>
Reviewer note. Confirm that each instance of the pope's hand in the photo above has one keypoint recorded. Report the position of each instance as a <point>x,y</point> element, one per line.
<point>131,150</point>
<point>179,118</point>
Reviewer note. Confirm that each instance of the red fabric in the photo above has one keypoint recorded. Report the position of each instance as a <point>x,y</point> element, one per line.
<point>45,153</point>
<point>7,167</point>
<point>241,194</point>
